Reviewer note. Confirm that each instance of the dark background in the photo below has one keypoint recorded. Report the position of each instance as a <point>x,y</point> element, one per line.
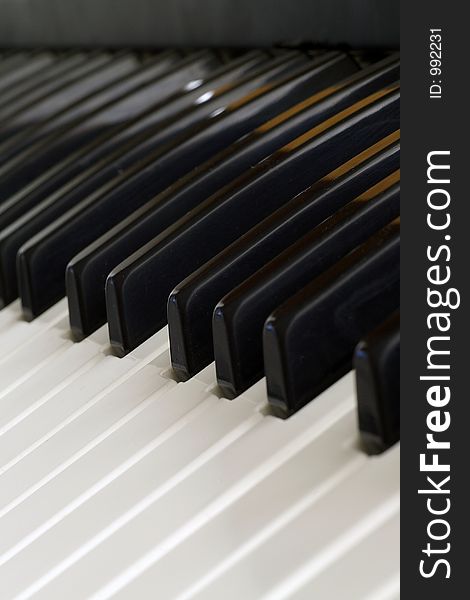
<point>358,23</point>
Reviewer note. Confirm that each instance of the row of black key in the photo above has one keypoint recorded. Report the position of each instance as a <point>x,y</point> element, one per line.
<point>251,201</point>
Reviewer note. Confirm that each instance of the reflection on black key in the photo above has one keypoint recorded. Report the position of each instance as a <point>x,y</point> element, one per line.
<point>113,202</point>
<point>40,164</point>
<point>30,111</point>
<point>238,319</point>
<point>14,61</point>
<point>191,304</point>
<point>110,155</point>
<point>151,115</point>
<point>86,274</point>
<point>109,163</point>
<point>309,340</point>
<point>43,82</point>
<point>68,107</point>
<point>137,290</point>
<point>24,71</point>
<point>377,364</point>
<point>97,116</point>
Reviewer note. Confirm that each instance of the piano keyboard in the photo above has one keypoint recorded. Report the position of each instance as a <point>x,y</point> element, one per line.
<point>196,247</point>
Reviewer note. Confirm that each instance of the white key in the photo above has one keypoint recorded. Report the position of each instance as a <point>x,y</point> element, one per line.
<point>313,541</point>
<point>178,450</point>
<point>54,372</point>
<point>12,321</point>
<point>390,590</point>
<point>161,522</point>
<point>10,315</point>
<point>161,412</point>
<point>98,421</point>
<point>256,516</point>
<point>19,365</point>
<point>35,410</point>
<point>20,333</point>
<point>370,568</point>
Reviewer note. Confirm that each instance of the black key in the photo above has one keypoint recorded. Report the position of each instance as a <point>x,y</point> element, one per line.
<point>87,272</point>
<point>309,340</point>
<point>191,304</point>
<point>124,142</point>
<point>117,103</point>
<point>28,80</point>
<point>41,83</point>
<point>377,364</point>
<point>70,104</point>
<point>11,62</point>
<point>21,70</point>
<point>112,168</point>
<point>105,207</point>
<point>20,115</point>
<point>46,175</point>
<point>137,290</point>
<point>238,319</point>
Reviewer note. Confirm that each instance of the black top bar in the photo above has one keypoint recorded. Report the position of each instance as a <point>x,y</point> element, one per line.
<point>158,23</point>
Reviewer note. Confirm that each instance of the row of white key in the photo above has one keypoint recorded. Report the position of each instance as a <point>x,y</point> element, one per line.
<point>118,482</point>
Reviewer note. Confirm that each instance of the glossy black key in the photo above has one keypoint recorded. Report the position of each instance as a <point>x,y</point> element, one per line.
<point>13,61</point>
<point>377,364</point>
<point>24,215</point>
<point>91,165</point>
<point>87,272</point>
<point>27,69</point>
<point>18,65</point>
<point>308,341</point>
<point>238,318</point>
<point>191,304</point>
<point>70,104</point>
<point>30,111</point>
<point>42,83</point>
<point>105,207</point>
<point>137,290</point>
<point>99,115</point>
<point>94,163</point>
<point>30,79</point>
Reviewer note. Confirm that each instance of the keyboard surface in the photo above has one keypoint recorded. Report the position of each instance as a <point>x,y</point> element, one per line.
<point>117,478</point>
